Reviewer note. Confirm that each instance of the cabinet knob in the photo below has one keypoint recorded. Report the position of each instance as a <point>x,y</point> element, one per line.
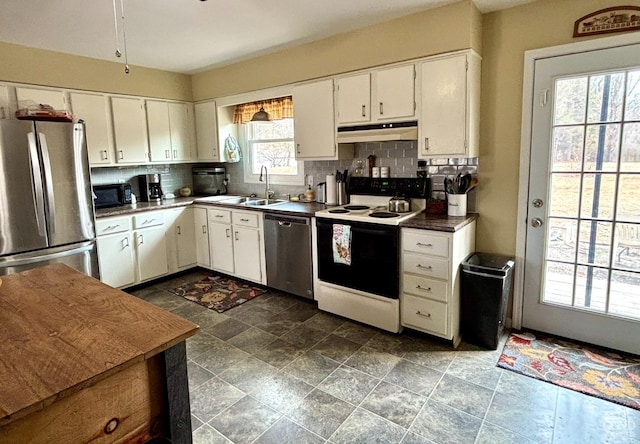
<point>425,315</point>
<point>420,244</point>
<point>235,236</point>
<point>125,242</point>
<point>298,148</point>
<point>381,108</point>
<point>120,155</point>
<point>424,267</point>
<point>420,287</point>
<point>228,232</point>
<point>204,229</point>
<point>104,155</point>
<point>166,154</point>
<point>426,143</point>
<point>111,426</point>
<point>179,231</point>
<point>364,110</point>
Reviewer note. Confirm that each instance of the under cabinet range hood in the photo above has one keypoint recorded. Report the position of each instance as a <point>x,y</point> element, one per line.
<point>379,132</point>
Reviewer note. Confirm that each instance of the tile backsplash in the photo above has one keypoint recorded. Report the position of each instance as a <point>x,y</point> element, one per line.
<point>172,177</point>
<point>400,157</point>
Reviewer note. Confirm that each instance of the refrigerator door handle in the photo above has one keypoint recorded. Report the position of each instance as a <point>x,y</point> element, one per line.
<point>37,182</point>
<point>48,177</point>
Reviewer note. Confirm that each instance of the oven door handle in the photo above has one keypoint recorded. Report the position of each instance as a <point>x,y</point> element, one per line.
<point>355,230</point>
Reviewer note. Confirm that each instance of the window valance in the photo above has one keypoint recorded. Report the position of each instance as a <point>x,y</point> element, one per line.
<point>279,108</point>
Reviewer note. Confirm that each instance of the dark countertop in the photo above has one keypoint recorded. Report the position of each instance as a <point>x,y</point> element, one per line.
<point>144,206</point>
<point>420,221</point>
<point>423,221</point>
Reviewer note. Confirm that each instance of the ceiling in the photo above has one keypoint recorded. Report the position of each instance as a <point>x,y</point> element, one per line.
<point>188,36</point>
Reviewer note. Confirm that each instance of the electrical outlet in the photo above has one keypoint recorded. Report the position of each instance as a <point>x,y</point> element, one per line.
<point>310,181</point>
<point>228,177</point>
<point>120,180</point>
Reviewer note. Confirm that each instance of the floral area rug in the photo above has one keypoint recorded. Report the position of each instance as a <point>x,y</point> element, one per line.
<point>218,293</point>
<point>596,372</point>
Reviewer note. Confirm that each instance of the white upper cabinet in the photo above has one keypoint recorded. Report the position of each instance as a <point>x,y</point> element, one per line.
<point>450,106</point>
<point>206,131</point>
<point>92,108</point>
<point>159,130</point>
<point>170,131</point>
<point>381,95</point>
<point>5,111</point>
<point>181,123</point>
<point>130,130</point>
<point>314,124</point>
<point>353,99</point>
<point>54,98</point>
<point>394,90</point>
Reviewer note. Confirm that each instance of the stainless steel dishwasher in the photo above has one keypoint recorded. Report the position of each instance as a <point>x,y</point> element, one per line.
<point>288,252</point>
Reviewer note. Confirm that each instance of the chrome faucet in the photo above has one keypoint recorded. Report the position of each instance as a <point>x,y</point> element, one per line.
<point>267,191</point>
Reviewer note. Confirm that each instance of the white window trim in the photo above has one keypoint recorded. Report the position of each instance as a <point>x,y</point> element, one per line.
<point>275,179</point>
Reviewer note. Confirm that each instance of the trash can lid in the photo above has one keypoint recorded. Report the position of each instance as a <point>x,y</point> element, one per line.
<point>489,263</point>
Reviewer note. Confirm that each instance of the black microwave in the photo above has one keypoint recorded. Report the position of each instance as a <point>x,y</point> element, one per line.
<point>112,195</point>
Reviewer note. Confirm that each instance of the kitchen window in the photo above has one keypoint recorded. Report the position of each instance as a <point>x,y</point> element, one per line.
<point>270,143</point>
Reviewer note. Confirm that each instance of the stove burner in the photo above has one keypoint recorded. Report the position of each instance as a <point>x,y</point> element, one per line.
<point>356,207</point>
<point>384,214</point>
<point>338,211</point>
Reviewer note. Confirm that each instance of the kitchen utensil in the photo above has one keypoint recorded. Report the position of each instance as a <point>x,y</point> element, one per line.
<point>399,204</point>
<point>341,190</point>
<point>321,192</point>
<point>472,184</point>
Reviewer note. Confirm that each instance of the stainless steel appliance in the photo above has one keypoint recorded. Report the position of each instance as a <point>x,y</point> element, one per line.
<point>321,193</point>
<point>111,195</point>
<point>359,278</point>
<point>150,187</point>
<point>288,254</point>
<point>209,181</point>
<point>46,208</point>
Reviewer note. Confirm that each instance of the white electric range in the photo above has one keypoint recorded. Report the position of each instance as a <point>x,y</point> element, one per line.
<point>358,275</point>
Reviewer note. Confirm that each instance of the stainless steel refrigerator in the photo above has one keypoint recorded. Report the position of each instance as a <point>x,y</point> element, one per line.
<point>46,207</point>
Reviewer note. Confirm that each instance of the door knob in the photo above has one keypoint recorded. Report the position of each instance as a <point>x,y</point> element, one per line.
<point>536,222</point>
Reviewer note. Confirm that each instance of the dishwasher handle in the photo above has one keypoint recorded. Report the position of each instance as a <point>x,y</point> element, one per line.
<point>287,221</point>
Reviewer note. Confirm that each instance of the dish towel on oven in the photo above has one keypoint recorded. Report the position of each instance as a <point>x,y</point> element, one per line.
<point>341,244</point>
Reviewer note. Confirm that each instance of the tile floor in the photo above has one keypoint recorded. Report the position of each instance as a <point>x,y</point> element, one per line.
<point>278,370</point>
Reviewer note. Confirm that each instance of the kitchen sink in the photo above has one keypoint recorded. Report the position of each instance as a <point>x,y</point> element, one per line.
<point>237,200</point>
<point>263,202</point>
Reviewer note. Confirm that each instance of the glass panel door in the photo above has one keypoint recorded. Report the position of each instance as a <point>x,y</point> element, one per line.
<point>582,276</point>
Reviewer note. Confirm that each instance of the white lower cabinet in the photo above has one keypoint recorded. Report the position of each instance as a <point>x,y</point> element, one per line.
<point>181,238</point>
<point>132,249</point>
<point>430,279</point>
<point>201,237</point>
<point>236,243</point>
<point>115,251</point>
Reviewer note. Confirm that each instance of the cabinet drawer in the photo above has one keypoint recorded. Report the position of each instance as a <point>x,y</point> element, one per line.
<point>112,225</point>
<point>426,265</point>
<point>425,287</point>
<point>148,219</point>
<point>424,314</point>
<point>426,243</point>
<point>221,216</point>
<point>246,219</point>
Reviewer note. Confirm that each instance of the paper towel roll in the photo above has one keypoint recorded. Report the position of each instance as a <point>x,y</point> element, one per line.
<point>332,196</point>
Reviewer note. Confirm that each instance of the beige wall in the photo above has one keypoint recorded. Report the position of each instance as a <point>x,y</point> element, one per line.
<point>22,64</point>
<point>434,31</point>
<point>506,36</point>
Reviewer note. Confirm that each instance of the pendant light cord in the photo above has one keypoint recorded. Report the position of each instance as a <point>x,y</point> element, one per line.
<point>124,38</point>
<point>115,24</point>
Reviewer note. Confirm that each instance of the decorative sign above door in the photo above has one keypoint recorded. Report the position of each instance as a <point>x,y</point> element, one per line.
<point>604,21</point>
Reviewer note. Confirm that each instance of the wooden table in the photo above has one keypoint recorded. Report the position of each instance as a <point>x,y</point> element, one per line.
<point>81,361</point>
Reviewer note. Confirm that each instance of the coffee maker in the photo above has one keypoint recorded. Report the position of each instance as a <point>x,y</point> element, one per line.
<point>150,189</point>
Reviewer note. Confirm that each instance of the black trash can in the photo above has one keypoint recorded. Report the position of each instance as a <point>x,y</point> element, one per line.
<point>486,284</point>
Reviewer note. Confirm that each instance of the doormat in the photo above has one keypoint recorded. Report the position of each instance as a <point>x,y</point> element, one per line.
<point>218,293</point>
<point>592,371</point>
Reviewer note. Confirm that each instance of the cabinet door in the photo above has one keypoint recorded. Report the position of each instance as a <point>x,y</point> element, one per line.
<point>246,249</point>
<point>115,255</point>
<point>181,131</point>
<point>443,121</point>
<point>201,237</point>
<point>151,248</point>
<point>221,247</point>
<point>159,131</point>
<point>395,93</point>
<point>92,108</point>
<point>186,238</point>
<point>314,129</point>
<point>353,99</point>
<point>53,98</point>
<point>5,112</point>
<point>130,128</point>
<point>206,131</point>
